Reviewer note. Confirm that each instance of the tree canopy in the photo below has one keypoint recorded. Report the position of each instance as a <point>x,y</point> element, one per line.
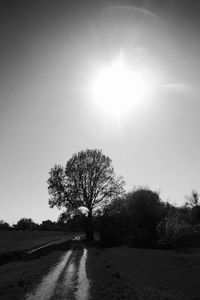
<point>87,182</point>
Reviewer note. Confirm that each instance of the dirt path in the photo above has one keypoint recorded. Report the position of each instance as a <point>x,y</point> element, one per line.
<point>67,280</point>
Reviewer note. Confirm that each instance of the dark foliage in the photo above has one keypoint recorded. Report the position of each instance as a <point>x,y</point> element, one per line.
<point>77,223</point>
<point>4,226</point>
<point>145,210</point>
<point>133,220</point>
<point>189,236</point>
<point>48,225</point>
<point>25,224</point>
<point>195,215</point>
<point>113,224</point>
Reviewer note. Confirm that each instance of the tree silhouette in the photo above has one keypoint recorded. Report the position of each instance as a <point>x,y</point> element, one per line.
<point>145,210</point>
<point>193,199</point>
<point>4,225</point>
<point>87,182</point>
<point>25,224</point>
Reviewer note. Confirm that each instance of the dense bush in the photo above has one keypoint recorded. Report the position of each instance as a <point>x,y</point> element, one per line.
<point>133,220</point>
<point>48,225</point>
<point>189,236</point>
<point>113,225</point>
<point>76,223</point>
<point>170,230</point>
<point>4,226</point>
<point>145,211</point>
<point>195,215</point>
<point>25,224</point>
<point>111,233</point>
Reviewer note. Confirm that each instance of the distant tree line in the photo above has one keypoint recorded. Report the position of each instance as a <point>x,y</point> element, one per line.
<point>138,219</point>
<point>29,224</point>
<point>142,219</point>
<point>93,199</point>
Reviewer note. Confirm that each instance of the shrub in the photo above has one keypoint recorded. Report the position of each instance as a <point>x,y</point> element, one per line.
<point>170,230</point>
<point>145,211</point>
<point>195,214</point>
<point>113,225</point>
<point>25,224</point>
<point>4,225</point>
<point>189,237</point>
<point>113,232</point>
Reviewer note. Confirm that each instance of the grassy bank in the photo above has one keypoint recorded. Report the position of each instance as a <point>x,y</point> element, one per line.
<point>18,278</point>
<point>22,240</point>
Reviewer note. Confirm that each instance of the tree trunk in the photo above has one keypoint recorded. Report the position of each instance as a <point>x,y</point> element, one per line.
<point>89,227</point>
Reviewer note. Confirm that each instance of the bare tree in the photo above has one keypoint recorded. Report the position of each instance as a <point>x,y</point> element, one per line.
<point>193,199</point>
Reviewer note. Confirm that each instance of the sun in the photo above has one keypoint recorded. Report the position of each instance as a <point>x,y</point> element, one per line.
<point>119,88</point>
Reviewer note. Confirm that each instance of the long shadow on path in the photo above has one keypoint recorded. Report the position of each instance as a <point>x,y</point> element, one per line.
<point>66,280</point>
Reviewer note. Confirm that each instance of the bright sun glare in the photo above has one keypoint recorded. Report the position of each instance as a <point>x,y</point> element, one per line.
<point>119,88</point>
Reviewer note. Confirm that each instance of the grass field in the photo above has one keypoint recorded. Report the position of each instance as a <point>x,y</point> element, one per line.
<point>125,273</point>
<point>114,273</point>
<point>19,277</point>
<point>22,240</point>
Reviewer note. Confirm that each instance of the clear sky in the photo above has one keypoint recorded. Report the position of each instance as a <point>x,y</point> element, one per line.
<point>50,53</point>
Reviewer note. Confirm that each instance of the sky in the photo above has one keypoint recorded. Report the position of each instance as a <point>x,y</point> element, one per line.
<point>50,53</point>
